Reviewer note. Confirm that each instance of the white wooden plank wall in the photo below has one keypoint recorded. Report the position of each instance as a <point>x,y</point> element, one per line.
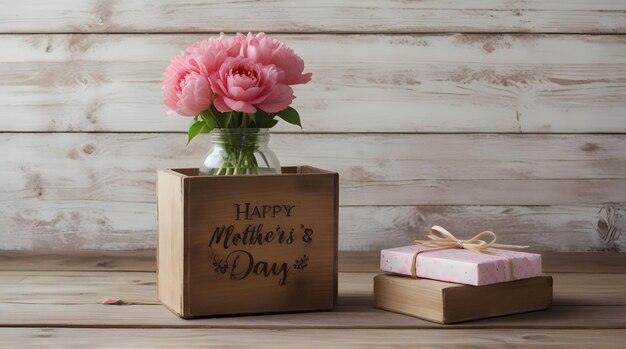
<point>500,115</point>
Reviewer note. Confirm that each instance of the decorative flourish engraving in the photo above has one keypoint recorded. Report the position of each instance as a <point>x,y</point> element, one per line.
<point>301,263</point>
<point>220,265</point>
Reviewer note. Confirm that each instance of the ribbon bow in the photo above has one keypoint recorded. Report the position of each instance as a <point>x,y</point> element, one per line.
<point>440,237</point>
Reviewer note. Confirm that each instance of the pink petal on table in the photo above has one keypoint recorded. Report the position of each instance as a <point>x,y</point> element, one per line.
<point>112,301</point>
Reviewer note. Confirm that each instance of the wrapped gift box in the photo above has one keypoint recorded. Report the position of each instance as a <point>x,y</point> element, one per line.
<point>462,266</point>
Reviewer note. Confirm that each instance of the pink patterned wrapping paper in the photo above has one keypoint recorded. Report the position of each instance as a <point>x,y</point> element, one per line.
<point>462,266</point>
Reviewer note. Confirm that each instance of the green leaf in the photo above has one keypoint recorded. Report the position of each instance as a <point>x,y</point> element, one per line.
<point>261,118</point>
<point>197,127</point>
<point>290,115</point>
<point>271,123</point>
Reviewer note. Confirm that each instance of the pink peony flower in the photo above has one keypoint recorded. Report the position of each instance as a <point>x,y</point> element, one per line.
<point>186,90</point>
<point>243,73</point>
<point>243,85</point>
<point>211,53</point>
<point>186,86</point>
<point>266,50</point>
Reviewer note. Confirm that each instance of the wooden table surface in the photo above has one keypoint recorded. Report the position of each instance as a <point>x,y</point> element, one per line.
<point>50,300</point>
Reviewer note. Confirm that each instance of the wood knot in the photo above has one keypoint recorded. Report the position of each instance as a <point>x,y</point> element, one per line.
<point>591,147</point>
<point>608,228</point>
<point>105,264</point>
<point>89,149</point>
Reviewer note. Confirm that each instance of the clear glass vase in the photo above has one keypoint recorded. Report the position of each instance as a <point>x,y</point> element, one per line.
<point>239,151</point>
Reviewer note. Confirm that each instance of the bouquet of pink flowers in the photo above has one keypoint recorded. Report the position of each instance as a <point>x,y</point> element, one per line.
<point>242,81</point>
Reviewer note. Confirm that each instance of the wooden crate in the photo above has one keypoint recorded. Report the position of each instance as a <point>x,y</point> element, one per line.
<point>247,244</point>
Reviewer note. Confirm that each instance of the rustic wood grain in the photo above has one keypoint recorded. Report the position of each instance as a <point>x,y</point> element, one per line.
<point>86,287</point>
<point>354,316</point>
<point>560,16</point>
<point>79,260</point>
<point>349,261</point>
<point>171,240</point>
<point>108,200</point>
<point>318,338</point>
<point>361,83</point>
<point>364,161</point>
<point>60,308</point>
<point>545,228</point>
<point>556,228</point>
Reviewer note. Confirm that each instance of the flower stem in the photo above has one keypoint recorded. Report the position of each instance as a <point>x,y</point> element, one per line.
<point>217,121</point>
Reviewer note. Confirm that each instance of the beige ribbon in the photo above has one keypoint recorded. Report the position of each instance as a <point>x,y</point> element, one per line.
<point>441,239</point>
